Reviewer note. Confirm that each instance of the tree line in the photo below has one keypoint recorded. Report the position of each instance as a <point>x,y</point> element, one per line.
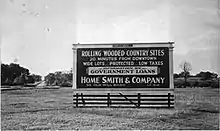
<point>14,74</point>
<point>202,79</point>
<point>204,75</point>
<point>59,78</point>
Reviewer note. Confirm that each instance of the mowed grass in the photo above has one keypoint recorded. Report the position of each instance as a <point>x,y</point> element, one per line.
<point>50,109</point>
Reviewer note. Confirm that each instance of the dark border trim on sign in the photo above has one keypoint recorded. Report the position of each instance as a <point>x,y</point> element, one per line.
<point>129,45</point>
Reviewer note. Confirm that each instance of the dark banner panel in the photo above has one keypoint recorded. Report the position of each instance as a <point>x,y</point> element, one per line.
<point>142,67</point>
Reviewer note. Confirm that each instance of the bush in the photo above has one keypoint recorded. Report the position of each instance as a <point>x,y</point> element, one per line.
<point>66,84</point>
<point>215,84</point>
<point>178,83</point>
<point>19,81</point>
<point>7,82</point>
<point>59,78</point>
<point>197,83</point>
<point>204,84</point>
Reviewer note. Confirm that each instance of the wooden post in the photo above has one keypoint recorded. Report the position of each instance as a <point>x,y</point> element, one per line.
<point>73,99</point>
<point>139,99</point>
<point>76,99</point>
<point>74,69</point>
<point>83,101</point>
<point>169,100</point>
<point>108,100</point>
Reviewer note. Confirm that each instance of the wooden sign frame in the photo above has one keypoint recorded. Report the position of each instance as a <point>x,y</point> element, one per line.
<point>136,96</point>
<point>123,45</point>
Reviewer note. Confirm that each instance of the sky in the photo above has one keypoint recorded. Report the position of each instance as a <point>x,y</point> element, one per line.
<point>38,34</point>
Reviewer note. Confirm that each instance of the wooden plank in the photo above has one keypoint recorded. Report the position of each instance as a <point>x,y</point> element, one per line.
<point>124,91</point>
<point>94,99</point>
<point>113,103</point>
<point>156,103</point>
<point>93,102</point>
<point>128,95</point>
<point>95,95</point>
<point>94,89</point>
<point>109,45</point>
<point>126,106</point>
<point>125,96</point>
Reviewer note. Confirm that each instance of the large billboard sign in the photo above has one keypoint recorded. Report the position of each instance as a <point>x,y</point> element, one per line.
<point>122,66</point>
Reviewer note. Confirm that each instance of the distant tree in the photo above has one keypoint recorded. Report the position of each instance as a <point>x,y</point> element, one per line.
<point>50,78</point>
<point>175,75</point>
<point>21,80</point>
<point>36,77</point>
<point>207,75</point>
<point>30,79</point>
<point>8,82</point>
<point>186,67</point>
<point>182,74</point>
<point>59,78</point>
<point>12,71</point>
<point>215,83</point>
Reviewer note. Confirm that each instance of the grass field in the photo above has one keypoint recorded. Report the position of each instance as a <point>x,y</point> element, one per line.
<point>44,109</point>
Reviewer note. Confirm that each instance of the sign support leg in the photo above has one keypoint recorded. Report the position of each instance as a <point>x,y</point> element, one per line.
<point>108,100</point>
<point>83,101</point>
<point>139,99</point>
<point>168,100</point>
<point>76,99</point>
